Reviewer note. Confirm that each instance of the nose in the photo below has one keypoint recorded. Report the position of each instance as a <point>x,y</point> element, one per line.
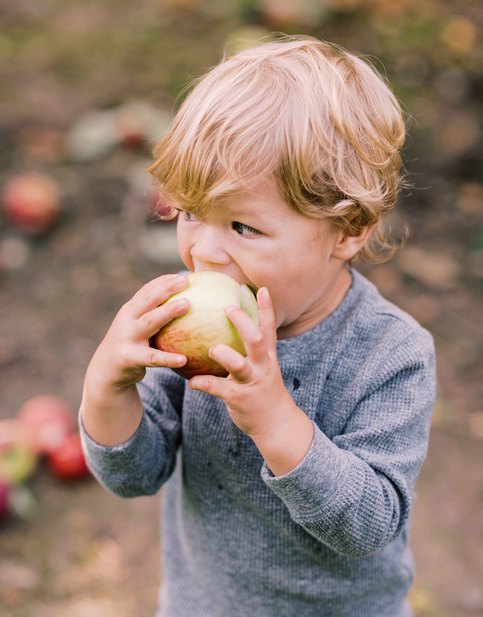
<point>209,246</point>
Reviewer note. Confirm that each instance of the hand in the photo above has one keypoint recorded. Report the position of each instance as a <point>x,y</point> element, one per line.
<point>125,352</point>
<point>111,406</point>
<point>254,392</point>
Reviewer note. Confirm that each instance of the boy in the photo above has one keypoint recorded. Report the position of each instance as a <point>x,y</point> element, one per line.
<point>289,482</point>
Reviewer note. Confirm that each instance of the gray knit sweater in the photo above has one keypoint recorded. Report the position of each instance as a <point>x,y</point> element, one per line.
<point>328,539</point>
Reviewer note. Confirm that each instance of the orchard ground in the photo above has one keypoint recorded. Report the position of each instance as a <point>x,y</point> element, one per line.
<point>79,550</point>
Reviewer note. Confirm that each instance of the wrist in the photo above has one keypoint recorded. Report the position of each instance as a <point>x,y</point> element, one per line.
<point>111,416</point>
<point>285,445</point>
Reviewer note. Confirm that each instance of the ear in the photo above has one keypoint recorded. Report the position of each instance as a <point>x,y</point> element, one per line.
<point>347,245</point>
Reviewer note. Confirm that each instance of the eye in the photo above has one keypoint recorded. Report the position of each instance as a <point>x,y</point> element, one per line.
<point>188,216</point>
<point>245,230</point>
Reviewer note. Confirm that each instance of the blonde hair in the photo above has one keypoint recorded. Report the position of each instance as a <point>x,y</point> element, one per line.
<point>318,119</point>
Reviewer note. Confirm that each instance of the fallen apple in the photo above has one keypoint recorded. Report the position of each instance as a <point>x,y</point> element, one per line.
<point>206,324</point>
<point>49,419</point>
<point>18,458</point>
<point>32,202</point>
<point>67,462</point>
<point>4,500</point>
<point>14,430</point>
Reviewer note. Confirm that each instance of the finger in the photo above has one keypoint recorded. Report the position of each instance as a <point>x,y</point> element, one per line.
<point>251,334</point>
<point>237,365</point>
<point>155,293</point>
<point>266,317</point>
<point>144,356</point>
<point>151,323</point>
<point>216,386</point>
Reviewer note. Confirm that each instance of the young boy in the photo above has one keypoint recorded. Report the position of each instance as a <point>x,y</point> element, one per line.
<point>288,483</point>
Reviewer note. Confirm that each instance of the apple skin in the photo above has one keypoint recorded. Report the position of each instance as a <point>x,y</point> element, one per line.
<point>49,419</point>
<point>4,500</point>
<point>32,202</point>
<point>206,324</point>
<point>18,456</point>
<point>67,462</point>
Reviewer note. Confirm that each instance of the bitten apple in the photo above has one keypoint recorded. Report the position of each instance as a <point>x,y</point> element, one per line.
<point>206,324</point>
<point>49,419</point>
<point>32,202</point>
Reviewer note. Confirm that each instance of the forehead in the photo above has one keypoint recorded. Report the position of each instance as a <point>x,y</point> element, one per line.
<point>265,197</point>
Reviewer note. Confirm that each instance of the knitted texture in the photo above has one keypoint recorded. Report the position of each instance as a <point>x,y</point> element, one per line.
<point>330,537</point>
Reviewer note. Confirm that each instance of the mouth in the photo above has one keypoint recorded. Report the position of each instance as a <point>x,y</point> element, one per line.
<point>253,288</point>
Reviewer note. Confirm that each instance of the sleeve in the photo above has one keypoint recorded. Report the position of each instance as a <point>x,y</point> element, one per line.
<point>144,463</point>
<point>354,492</point>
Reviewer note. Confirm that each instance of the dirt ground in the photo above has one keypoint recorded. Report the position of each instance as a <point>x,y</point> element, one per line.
<point>78,550</point>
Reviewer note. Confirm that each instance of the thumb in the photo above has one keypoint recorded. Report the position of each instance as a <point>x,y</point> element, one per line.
<point>207,383</point>
<point>266,317</point>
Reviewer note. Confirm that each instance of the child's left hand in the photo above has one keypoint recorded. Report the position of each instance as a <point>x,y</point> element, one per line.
<point>254,392</point>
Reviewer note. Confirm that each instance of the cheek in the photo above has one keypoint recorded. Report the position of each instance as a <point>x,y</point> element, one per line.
<point>184,247</point>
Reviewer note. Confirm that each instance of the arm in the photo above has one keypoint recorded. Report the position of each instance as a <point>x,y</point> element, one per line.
<point>112,412</point>
<point>352,492</point>
<point>143,463</point>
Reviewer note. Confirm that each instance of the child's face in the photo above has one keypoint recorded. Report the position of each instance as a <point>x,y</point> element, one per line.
<point>257,239</point>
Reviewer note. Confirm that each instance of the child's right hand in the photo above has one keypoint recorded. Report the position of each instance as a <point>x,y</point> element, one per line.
<point>124,354</point>
<point>111,407</point>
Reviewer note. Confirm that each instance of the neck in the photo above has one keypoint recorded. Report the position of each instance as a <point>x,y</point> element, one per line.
<point>320,312</point>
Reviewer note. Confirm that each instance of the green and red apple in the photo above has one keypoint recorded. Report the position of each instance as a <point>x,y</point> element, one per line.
<point>206,323</point>
<point>49,419</point>
<point>18,456</point>
<point>32,202</point>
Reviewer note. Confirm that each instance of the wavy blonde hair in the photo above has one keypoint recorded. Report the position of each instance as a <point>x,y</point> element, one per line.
<point>320,120</point>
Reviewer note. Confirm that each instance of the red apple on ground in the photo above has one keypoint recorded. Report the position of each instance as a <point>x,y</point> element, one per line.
<point>4,500</point>
<point>32,202</point>
<point>18,457</point>
<point>50,421</point>
<point>14,430</point>
<point>67,462</point>
<point>206,324</point>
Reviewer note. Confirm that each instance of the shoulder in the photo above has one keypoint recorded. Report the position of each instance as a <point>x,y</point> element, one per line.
<point>365,327</point>
<point>375,317</point>
<point>382,343</point>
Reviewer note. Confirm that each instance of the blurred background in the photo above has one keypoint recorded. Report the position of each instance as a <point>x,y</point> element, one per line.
<point>87,88</point>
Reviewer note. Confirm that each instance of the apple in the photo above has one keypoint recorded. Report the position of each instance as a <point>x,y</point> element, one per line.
<point>4,500</point>
<point>137,124</point>
<point>18,457</point>
<point>206,324</point>
<point>14,431</point>
<point>17,462</point>
<point>49,419</point>
<point>32,202</point>
<point>67,462</point>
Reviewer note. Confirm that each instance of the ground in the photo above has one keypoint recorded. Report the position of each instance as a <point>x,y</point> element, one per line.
<point>78,550</point>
